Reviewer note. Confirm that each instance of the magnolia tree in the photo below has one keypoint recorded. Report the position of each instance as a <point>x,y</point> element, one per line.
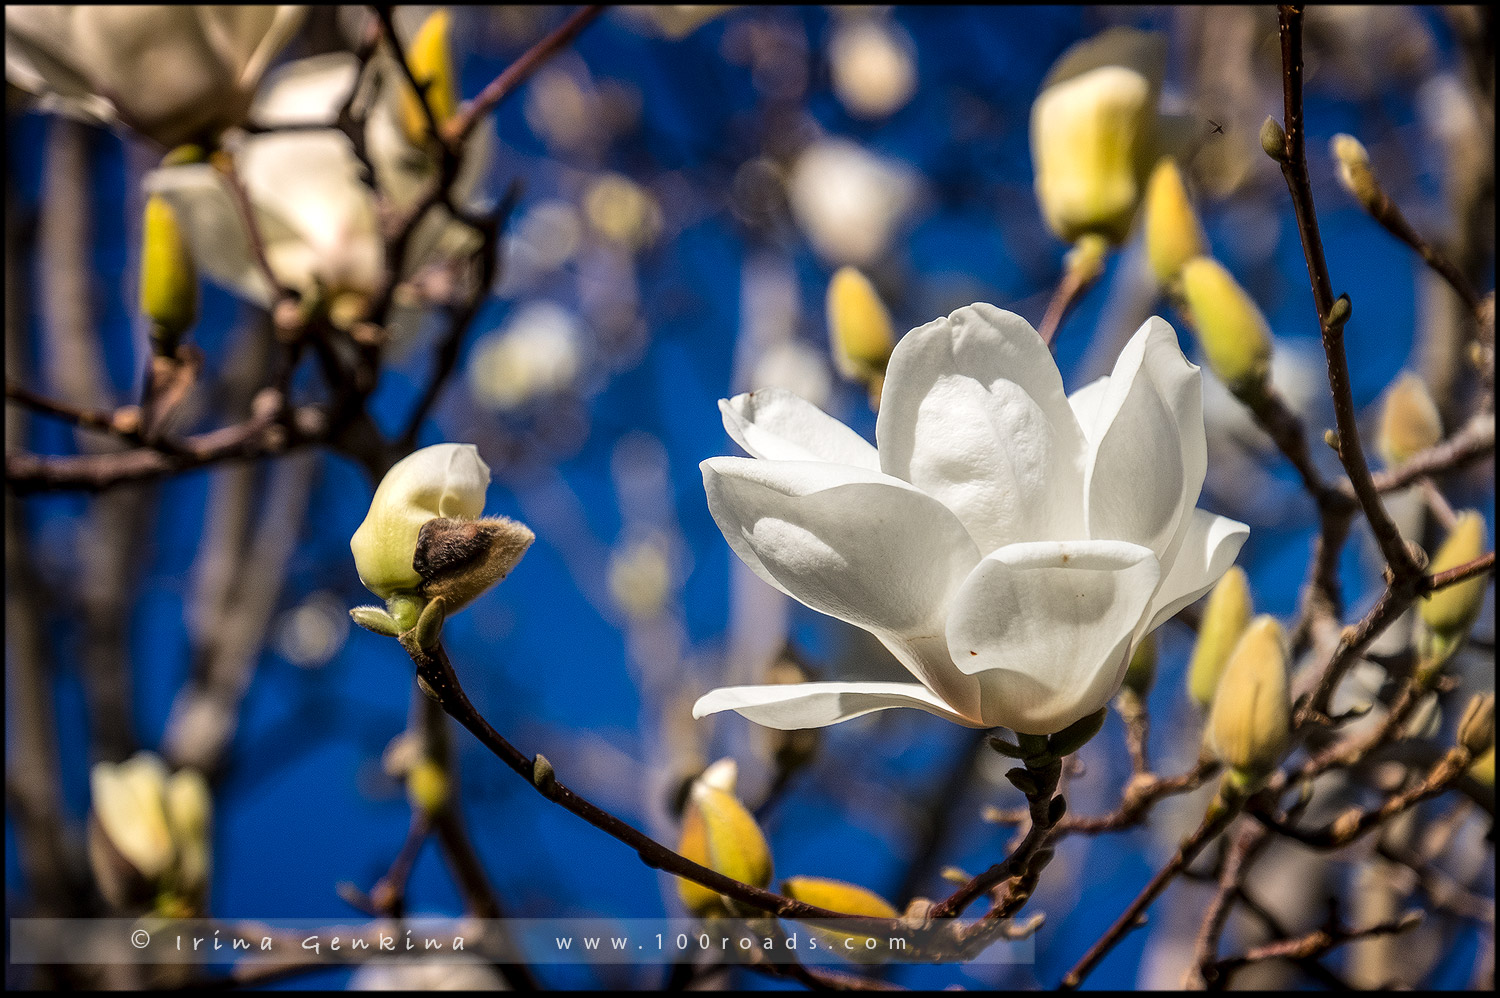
<point>326,224</point>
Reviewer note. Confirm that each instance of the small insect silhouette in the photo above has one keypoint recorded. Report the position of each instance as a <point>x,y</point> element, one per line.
<point>1218,128</point>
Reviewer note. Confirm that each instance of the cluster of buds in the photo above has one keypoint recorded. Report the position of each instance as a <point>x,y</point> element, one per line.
<point>148,836</point>
<point>424,538</point>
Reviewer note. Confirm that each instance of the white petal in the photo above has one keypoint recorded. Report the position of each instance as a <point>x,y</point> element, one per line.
<point>1047,628</point>
<point>1086,403</point>
<point>1209,546</point>
<point>774,424</point>
<point>854,544</point>
<point>973,413</point>
<point>816,705</point>
<point>307,91</point>
<point>1150,455</point>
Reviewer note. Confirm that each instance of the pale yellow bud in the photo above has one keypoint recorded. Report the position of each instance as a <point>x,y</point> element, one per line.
<point>1231,330</point>
<point>1476,729</point>
<point>1354,169</point>
<point>1173,234</point>
<point>1249,726</point>
<point>427,786</point>
<point>1409,422</point>
<point>1093,133</point>
<point>189,807</point>
<point>859,328</point>
<point>1448,613</point>
<point>719,833</point>
<point>169,282</point>
<point>1225,618</point>
<point>430,58</point>
<point>129,808</point>
<point>1483,768</point>
<point>848,899</point>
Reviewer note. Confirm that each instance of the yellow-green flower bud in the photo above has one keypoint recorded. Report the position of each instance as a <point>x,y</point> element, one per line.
<point>1409,422</point>
<point>427,786</point>
<point>1225,618</point>
<point>1483,768</point>
<point>169,283</point>
<point>1231,329</point>
<point>1354,170</point>
<point>421,538</point>
<point>430,58</point>
<point>1173,234</point>
<point>1273,139</point>
<point>1093,134</point>
<point>1447,615</point>
<point>1249,726</point>
<point>189,808</point>
<point>719,833</point>
<point>1476,729</point>
<point>848,899</point>
<point>859,328</point>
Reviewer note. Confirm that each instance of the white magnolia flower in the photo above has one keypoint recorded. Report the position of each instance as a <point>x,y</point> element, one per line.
<point>1008,543</point>
<point>175,74</point>
<point>315,209</point>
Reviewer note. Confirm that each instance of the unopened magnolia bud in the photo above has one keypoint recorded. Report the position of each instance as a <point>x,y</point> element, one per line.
<point>421,540</point>
<point>148,834</point>
<point>1249,726</point>
<point>1273,139</point>
<point>1141,672</point>
<point>373,618</point>
<point>859,328</point>
<point>189,807</point>
<point>1409,422</point>
<point>1482,769</point>
<point>848,899</point>
<point>430,58</point>
<point>719,833</point>
<point>1476,729</point>
<point>1231,329</point>
<point>1093,131</point>
<point>169,282</point>
<point>1447,615</point>
<point>1225,618</point>
<point>1173,234</point>
<point>427,787</point>
<point>1354,170</point>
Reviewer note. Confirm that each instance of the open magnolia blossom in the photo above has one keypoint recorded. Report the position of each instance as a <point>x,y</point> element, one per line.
<point>313,204</point>
<point>1008,543</point>
<point>175,74</point>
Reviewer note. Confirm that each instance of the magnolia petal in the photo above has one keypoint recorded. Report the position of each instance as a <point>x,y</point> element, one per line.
<point>308,91</point>
<point>817,705</point>
<point>973,413</point>
<point>1209,546</point>
<point>776,425</point>
<point>854,544</point>
<point>1150,454</point>
<point>1086,403</point>
<point>1047,628</point>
